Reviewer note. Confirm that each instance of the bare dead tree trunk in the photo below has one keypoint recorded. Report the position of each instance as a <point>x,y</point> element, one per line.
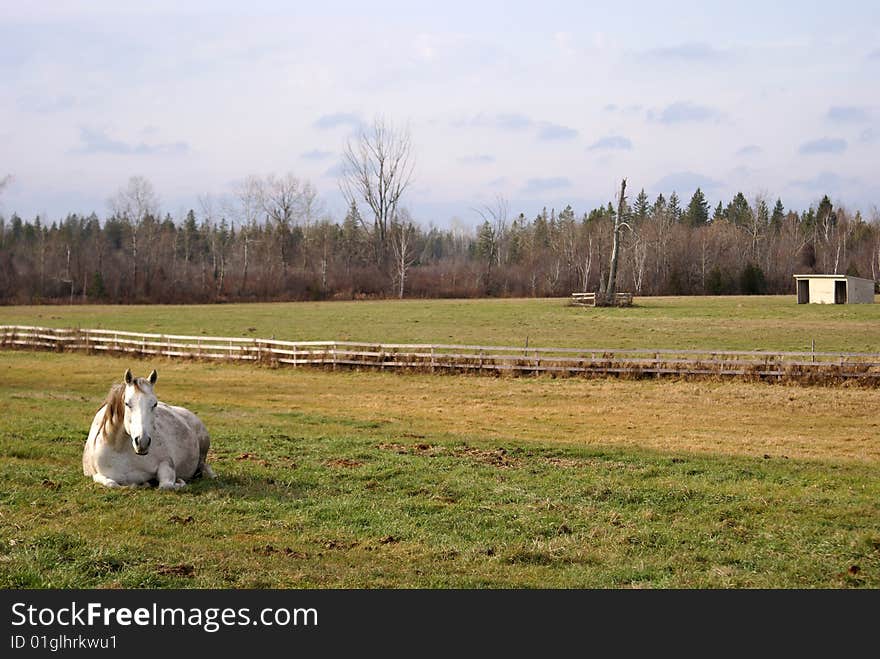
<point>611,288</point>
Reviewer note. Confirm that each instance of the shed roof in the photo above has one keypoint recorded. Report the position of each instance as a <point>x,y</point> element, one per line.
<point>839,277</point>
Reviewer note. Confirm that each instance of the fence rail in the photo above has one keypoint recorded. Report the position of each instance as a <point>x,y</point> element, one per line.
<point>825,367</point>
<point>589,299</point>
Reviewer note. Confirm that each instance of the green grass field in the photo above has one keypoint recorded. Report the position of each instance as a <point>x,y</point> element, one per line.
<point>366,479</point>
<point>729,323</point>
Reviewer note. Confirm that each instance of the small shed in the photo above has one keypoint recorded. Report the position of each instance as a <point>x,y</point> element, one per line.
<point>834,289</point>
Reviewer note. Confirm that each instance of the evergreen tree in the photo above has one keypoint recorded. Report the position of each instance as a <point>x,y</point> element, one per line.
<point>762,213</point>
<point>751,280</point>
<point>541,230</point>
<point>516,244</point>
<point>719,213</point>
<point>16,227</point>
<point>719,282</point>
<point>566,216</point>
<point>826,218</point>
<point>697,213</point>
<point>486,245</point>
<point>596,214</point>
<point>351,239</point>
<point>778,215</point>
<point>659,206</point>
<point>825,209</point>
<point>674,207</point>
<point>738,210</point>
<point>808,218</point>
<point>97,290</point>
<point>190,235</point>
<point>642,208</point>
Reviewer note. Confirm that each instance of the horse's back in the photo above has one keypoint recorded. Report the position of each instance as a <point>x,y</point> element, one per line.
<point>184,433</point>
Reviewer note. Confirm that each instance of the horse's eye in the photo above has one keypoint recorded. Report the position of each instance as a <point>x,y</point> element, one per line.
<point>128,405</point>
<point>154,404</point>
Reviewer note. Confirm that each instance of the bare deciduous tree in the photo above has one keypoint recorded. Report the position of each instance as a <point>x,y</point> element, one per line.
<point>287,201</point>
<point>133,204</point>
<point>377,168</point>
<point>640,257</point>
<point>248,194</point>
<point>496,215</point>
<point>403,237</point>
<point>585,263</point>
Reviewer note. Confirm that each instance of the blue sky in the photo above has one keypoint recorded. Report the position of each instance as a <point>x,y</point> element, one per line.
<point>545,103</point>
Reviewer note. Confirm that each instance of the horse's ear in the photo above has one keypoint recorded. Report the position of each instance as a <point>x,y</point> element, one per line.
<point>128,377</point>
<point>153,377</point>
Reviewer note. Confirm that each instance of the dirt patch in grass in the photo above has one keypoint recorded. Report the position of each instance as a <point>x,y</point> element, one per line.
<point>497,457</point>
<point>179,570</point>
<point>340,545</point>
<point>251,456</point>
<point>269,550</point>
<point>343,463</point>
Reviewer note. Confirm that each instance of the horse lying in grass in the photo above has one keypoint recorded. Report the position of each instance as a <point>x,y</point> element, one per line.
<point>136,440</point>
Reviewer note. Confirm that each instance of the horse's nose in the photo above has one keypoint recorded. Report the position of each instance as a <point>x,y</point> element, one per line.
<point>141,444</point>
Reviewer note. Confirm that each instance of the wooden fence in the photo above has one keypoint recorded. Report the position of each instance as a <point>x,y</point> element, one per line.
<point>589,299</point>
<point>818,367</point>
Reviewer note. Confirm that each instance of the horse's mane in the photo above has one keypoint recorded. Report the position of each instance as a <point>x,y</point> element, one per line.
<point>113,413</point>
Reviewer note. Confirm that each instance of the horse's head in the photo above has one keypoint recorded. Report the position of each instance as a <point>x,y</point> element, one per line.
<point>140,410</point>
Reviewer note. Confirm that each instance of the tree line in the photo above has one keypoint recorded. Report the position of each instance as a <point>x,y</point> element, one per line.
<point>272,242</point>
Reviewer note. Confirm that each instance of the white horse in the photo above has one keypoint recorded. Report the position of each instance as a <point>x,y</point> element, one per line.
<point>135,439</point>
